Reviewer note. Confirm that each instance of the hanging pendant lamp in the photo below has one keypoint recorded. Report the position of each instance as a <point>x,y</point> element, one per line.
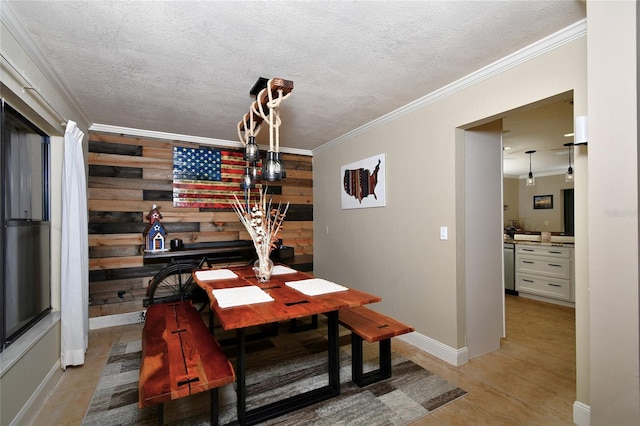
<point>531,181</point>
<point>283,172</point>
<point>269,95</point>
<point>251,150</point>
<point>248,178</point>
<point>271,170</point>
<point>568,177</point>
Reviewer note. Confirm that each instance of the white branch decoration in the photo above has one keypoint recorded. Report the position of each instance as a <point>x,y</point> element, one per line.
<point>262,221</point>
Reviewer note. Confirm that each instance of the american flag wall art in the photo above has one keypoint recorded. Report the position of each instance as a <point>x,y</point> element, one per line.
<point>206,178</point>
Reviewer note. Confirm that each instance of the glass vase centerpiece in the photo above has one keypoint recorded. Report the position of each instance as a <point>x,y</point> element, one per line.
<point>263,221</point>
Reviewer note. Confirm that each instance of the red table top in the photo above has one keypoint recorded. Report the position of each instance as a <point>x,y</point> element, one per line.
<point>288,303</point>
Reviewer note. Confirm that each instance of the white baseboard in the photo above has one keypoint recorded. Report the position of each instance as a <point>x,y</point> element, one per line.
<point>446,353</point>
<point>30,410</point>
<point>581,414</point>
<point>117,319</point>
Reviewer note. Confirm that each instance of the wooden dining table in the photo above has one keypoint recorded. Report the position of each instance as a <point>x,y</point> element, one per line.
<point>287,304</point>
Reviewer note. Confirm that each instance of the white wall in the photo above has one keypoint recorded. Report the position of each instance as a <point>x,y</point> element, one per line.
<point>395,251</point>
<point>483,243</point>
<point>538,220</point>
<point>613,211</point>
<point>511,192</point>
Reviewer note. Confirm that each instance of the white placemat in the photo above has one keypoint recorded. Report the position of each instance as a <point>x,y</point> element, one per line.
<point>315,286</point>
<point>216,274</point>
<point>281,270</point>
<point>238,296</point>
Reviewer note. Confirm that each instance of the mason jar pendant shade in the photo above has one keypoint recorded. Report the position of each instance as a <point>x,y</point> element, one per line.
<point>248,178</point>
<point>568,177</point>
<point>531,181</point>
<point>251,150</point>
<point>271,167</point>
<point>283,172</point>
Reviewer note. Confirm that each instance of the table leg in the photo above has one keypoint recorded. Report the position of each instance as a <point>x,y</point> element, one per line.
<point>334,351</point>
<point>295,402</point>
<point>241,368</point>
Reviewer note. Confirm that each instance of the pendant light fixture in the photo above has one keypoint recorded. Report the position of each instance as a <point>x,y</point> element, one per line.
<point>272,167</point>
<point>248,180</point>
<point>568,177</point>
<point>269,95</point>
<point>251,150</point>
<point>531,181</point>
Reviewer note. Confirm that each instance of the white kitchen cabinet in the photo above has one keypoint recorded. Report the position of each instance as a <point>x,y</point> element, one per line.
<point>545,271</point>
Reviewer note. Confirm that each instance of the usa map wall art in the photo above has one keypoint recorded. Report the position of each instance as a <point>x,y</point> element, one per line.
<point>363,183</point>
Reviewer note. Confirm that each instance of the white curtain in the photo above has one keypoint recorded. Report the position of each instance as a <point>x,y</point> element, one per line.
<point>74,307</point>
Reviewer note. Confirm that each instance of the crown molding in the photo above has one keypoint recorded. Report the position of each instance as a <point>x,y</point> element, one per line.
<point>551,42</point>
<point>18,30</point>
<point>105,128</point>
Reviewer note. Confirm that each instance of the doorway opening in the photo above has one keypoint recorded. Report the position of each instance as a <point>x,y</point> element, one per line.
<point>544,127</point>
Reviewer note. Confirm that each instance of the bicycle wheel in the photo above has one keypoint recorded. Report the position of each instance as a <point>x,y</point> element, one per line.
<point>175,283</point>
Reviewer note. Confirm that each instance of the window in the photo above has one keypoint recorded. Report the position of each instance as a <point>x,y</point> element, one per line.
<point>25,235</point>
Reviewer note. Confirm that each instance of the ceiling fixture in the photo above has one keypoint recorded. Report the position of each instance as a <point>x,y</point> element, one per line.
<point>568,177</point>
<point>531,181</point>
<point>269,95</point>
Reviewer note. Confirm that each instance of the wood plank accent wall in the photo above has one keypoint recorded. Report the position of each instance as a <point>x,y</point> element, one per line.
<point>127,175</point>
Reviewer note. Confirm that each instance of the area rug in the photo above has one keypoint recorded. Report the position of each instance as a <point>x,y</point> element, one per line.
<point>277,367</point>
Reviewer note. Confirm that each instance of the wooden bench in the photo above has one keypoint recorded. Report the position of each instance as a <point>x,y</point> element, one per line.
<point>180,358</point>
<point>372,327</point>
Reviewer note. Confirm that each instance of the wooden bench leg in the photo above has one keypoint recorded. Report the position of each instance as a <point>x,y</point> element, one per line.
<point>213,394</point>
<point>357,362</point>
<point>213,416</point>
<point>160,414</point>
<point>385,358</point>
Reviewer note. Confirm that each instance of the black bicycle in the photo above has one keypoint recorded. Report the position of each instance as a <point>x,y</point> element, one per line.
<point>175,283</point>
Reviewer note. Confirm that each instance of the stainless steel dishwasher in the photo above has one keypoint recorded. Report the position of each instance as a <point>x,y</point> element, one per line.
<point>509,268</point>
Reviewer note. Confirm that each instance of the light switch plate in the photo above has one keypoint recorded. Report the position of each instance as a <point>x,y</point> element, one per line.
<point>443,233</point>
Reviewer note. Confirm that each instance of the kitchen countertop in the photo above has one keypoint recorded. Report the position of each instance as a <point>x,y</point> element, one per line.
<point>538,243</point>
<point>534,240</point>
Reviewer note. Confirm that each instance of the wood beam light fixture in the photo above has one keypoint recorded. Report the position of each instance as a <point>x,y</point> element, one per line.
<point>269,95</point>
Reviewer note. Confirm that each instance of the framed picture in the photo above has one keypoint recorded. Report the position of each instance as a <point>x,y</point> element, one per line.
<point>543,201</point>
<point>363,183</point>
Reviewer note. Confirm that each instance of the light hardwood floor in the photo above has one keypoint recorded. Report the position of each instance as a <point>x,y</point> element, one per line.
<point>529,381</point>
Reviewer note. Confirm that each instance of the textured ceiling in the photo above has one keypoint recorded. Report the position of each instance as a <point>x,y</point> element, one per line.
<point>186,67</point>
